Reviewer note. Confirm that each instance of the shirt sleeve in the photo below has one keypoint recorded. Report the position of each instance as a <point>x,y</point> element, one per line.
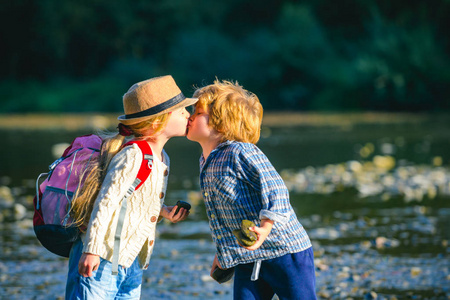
<point>257,170</point>
<point>121,173</point>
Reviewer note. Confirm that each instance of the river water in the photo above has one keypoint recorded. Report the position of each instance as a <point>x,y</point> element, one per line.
<point>374,199</point>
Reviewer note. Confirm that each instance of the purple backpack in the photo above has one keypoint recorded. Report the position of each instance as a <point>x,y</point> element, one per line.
<point>52,223</point>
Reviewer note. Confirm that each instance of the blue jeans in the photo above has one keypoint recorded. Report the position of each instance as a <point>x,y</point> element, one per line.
<point>291,276</point>
<point>102,284</point>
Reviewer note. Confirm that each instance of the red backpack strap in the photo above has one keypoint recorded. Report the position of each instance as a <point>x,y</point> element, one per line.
<point>147,162</point>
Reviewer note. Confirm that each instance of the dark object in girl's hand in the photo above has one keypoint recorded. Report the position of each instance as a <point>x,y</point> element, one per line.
<point>182,204</point>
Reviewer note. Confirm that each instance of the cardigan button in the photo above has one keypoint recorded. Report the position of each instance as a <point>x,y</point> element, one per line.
<point>161,195</point>
<point>166,172</point>
<point>153,219</point>
<point>151,243</point>
<point>206,194</point>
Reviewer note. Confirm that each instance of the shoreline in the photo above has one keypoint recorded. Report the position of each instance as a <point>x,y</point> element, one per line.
<point>75,121</point>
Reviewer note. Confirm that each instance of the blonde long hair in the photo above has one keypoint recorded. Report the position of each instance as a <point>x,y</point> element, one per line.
<point>84,198</point>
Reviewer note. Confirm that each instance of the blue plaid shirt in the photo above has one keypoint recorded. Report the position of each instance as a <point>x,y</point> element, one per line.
<point>238,182</point>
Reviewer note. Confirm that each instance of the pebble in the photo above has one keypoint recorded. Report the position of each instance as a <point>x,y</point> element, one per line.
<point>20,211</point>
<point>371,295</point>
<point>6,198</point>
<point>371,178</point>
<point>351,247</point>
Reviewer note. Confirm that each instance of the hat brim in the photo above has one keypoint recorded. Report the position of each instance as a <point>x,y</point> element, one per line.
<point>130,121</point>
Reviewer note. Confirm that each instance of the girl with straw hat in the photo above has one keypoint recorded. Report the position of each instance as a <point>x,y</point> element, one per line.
<point>155,111</point>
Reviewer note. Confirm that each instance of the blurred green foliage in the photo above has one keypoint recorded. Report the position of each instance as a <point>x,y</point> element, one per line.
<point>72,55</point>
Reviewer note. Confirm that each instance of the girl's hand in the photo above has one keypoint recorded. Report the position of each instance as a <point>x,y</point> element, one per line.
<point>168,212</point>
<point>262,233</point>
<point>215,265</point>
<point>88,263</point>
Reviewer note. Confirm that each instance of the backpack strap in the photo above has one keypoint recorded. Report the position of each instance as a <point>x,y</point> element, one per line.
<point>147,162</point>
<point>143,174</point>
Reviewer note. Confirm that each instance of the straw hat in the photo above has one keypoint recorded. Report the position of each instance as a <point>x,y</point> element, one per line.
<point>152,97</point>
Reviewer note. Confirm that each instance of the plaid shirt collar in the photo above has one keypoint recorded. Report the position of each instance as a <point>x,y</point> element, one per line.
<point>212,154</point>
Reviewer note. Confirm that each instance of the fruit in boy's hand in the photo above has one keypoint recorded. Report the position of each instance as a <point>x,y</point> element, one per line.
<point>244,235</point>
<point>182,204</point>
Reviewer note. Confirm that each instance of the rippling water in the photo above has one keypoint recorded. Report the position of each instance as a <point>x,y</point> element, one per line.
<point>371,238</point>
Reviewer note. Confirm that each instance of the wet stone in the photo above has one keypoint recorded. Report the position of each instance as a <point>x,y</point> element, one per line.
<point>245,228</point>
<point>244,235</point>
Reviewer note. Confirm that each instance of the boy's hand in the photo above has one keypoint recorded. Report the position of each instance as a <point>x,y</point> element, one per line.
<point>168,212</point>
<point>262,233</point>
<point>87,264</point>
<point>215,265</point>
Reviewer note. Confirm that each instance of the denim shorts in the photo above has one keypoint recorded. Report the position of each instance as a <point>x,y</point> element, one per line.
<point>102,284</point>
<point>291,276</point>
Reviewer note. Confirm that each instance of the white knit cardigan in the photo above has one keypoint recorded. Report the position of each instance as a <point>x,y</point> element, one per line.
<point>143,209</point>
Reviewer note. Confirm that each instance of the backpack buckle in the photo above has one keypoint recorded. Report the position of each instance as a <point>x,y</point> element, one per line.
<point>149,159</point>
